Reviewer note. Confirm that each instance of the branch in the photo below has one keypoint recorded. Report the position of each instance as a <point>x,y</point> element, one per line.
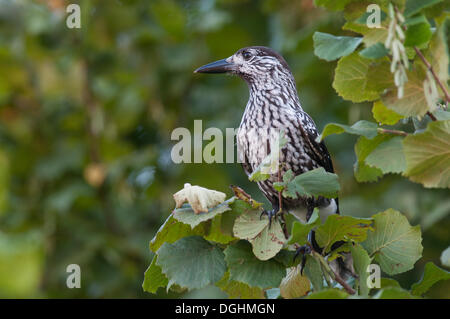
<point>430,68</point>
<point>335,276</point>
<point>346,286</point>
<point>395,132</point>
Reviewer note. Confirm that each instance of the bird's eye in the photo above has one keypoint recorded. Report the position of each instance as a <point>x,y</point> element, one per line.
<point>247,55</point>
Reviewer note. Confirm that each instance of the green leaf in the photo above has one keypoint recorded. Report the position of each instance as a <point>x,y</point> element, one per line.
<point>361,261</point>
<point>286,257</point>
<point>316,182</point>
<point>239,290</point>
<point>418,34</point>
<point>418,19</point>
<point>300,231</point>
<point>350,79</point>
<point>154,278</point>
<point>186,214</point>
<point>383,115</point>
<point>217,231</point>
<point>353,12</point>
<point>389,282</point>
<point>393,293</point>
<point>375,51</point>
<point>413,102</point>
<point>379,76</point>
<point>338,227</point>
<point>363,147</point>
<point>330,293</point>
<point>394,243</point>
<point>171,231</point>
<point>428,155</point>
<point>191,262</point>
<point>245,267</point>
<point>330,47</point>
<point>313,271</point>
<point>432,275</point>
<point>414,6</point>
<point>388,156</point>
<point>364,128</point>
<point>375,35</point>
<point>294,285</point>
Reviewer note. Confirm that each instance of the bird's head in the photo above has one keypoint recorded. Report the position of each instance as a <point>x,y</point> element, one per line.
<point>253,64</point>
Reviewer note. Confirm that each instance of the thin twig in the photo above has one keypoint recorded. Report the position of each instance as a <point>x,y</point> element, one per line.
<point>346,286</point>
<point>395,132</point>
<point>334,275</point>
<point>430,68</point>
<point>431,116</point>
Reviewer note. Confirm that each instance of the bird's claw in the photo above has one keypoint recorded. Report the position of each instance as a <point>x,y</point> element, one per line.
<point>271,214</point>
<point>304,250</point>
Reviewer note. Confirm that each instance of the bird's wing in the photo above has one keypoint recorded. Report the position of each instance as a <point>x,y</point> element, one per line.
<point>316,150</point>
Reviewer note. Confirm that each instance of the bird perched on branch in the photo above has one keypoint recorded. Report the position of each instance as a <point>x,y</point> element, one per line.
<point>274,106</point>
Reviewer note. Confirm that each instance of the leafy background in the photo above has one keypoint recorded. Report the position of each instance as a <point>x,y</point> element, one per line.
<point>85,122</point>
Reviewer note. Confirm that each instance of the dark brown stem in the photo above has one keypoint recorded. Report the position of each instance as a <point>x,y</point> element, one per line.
<point>346,286</point>
<point>430,68</point>
<point>335,276</point>
<point>431,116</point>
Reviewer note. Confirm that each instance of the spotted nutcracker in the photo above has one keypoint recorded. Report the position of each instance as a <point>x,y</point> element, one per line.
<point>274,106</point>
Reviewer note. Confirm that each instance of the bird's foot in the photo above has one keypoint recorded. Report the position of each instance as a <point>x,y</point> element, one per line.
<point>304,250</point>
<point>271,214</point>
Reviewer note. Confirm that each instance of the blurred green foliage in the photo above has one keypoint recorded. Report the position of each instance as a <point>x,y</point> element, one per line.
<point>85,121</point>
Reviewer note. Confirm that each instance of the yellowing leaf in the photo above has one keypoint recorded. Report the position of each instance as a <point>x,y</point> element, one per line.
<point>269,242</point>
<point>294,285</point>
<point>383,115</point>
<point>154,278</point>
<point>338,228</point>
<point>240,290</point>
<point>413,102</point>
<point>428,155</point>
<point>201,199</point>
<point>249,225</point>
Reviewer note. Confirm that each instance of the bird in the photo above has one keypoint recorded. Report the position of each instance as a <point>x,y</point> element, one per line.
<point>274,106</point>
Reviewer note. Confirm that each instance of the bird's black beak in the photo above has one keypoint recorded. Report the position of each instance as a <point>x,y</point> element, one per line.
<point>221,66</point>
